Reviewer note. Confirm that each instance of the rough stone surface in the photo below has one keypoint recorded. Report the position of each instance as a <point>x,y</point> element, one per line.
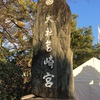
<point>62,87</point>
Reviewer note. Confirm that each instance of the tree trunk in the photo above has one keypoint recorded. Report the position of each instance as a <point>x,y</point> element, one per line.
<point>52,57</point>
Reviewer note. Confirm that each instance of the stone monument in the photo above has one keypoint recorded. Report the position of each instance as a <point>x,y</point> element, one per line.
<point>52,57</point>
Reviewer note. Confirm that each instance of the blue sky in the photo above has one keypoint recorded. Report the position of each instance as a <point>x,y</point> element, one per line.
<point>89,14</point>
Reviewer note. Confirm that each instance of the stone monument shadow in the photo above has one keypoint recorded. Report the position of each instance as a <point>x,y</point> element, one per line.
<point>89,74</point>
<point>87,83</point>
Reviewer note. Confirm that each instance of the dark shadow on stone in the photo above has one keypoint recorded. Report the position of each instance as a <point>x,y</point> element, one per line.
<point>63,83</point>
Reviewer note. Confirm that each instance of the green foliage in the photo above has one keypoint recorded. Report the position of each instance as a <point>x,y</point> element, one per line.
<point>16,29</point>
<point>96,49</point>
<point>10,81</point>
<point>81,43</point>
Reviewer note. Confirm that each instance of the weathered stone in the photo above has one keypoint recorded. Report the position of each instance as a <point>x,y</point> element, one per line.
<point>60,24</point>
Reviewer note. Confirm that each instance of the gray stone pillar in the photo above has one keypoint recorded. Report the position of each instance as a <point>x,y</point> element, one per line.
<point>52,57</point>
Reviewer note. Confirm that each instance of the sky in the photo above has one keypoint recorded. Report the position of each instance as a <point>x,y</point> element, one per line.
<point>89,14</point>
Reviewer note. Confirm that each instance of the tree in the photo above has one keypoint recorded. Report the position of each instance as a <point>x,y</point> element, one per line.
<point>16,23</point>
<point>11,81</point>
<point>96,49</point>
<point>81,42</point>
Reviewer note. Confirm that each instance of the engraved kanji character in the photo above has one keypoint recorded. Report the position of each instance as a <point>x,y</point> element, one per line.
<point>48,46</point>
<point>48,79</point>
<point>48,18</point>
<point>49,61</point>
<point>48,32</point>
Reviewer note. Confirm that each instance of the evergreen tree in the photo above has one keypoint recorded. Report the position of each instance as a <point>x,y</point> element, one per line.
<point>81,43</point>
<point>16,23</point>
<point>96,49</point>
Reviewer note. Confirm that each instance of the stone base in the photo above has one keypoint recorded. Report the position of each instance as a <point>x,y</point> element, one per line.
<point>32,97</point>
<point>48,99</point>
